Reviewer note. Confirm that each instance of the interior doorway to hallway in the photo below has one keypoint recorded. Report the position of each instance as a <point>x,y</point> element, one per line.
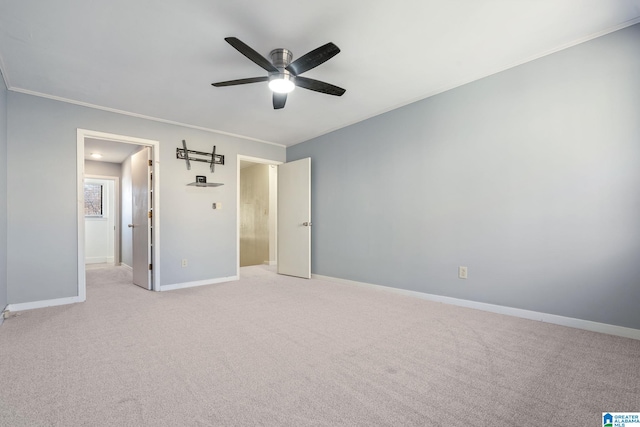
<point>117,148</point>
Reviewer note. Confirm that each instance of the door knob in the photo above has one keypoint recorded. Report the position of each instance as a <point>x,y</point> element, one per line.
<point>307,224</point>
<point>130,225</point>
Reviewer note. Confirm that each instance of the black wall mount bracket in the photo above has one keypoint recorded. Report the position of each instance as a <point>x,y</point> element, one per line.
<point>199,156</point>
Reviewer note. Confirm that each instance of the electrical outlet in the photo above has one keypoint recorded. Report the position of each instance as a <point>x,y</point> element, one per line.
<point>184,262</point>
<point>462,272</point>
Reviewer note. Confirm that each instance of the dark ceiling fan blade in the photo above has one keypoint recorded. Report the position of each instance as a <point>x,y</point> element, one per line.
<point>313,58</point>
<point>319,86</point>
<point>251,54</point>
<point>241,81</point>
<point>279,99</point>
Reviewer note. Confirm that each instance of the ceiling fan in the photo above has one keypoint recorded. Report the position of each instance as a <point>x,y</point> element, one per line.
<point>284,75</point>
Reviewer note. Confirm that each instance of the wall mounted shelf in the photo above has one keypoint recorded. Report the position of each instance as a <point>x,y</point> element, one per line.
<point>205,184</point>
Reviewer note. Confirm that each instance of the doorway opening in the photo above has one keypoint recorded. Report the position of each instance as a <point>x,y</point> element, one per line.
<point>101,219</point>
<point>257,211</point>
<point>118,152</point>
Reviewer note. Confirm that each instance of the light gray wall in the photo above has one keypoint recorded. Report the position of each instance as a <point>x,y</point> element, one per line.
<point>530,178</point>
<point>41,197</point>
<point>3,195</point>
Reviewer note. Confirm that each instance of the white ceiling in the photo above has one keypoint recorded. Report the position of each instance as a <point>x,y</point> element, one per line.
<point>111,151</point>
<point>159,58</point>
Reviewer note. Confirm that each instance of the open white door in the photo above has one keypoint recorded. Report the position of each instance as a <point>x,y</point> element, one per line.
<point>141,183</point>
<point>294,218</point>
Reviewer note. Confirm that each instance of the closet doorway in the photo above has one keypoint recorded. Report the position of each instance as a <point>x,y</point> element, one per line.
<point>257,211</point>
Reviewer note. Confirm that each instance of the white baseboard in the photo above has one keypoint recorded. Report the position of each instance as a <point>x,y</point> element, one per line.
<point>510,311</point>
<point>270,263</point>
<point>198,283</point>
<point>122,264</point>
<point>41,304</point>
<point>96,260</point>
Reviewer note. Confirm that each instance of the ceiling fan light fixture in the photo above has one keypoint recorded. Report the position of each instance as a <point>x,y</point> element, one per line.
<point>281,83</point>
<point>284,75</point>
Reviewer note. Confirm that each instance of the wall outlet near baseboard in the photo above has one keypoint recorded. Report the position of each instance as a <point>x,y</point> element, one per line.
<point>462,272</point>
<point>185,263</point>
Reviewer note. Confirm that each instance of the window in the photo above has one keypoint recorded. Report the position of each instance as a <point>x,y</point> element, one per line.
<point>93,200</point>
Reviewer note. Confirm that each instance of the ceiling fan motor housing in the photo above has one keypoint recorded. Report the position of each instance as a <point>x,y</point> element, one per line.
<point>281,58</point>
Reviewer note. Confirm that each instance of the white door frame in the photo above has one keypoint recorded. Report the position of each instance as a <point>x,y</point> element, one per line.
<point>252,160</point>
<point>155,148</point>
<point>116,209</point>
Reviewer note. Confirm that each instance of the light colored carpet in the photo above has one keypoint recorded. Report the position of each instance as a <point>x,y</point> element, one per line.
<point>275,350</point>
